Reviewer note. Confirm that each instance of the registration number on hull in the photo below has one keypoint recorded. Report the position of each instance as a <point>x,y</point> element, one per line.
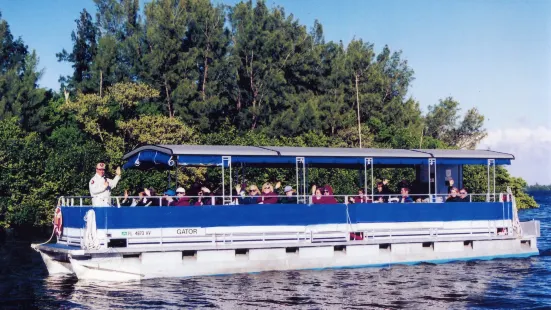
<point>164,232</point>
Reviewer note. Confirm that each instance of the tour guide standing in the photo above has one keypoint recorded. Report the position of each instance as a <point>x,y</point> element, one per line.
<point>101,186</point>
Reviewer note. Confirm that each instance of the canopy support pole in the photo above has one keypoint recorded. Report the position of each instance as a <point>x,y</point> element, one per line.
<point>368,162</point>
<point>488,181</point>
<point>177,168</point>
<point>226,159</point>
<point>491,163</point>
<point>432,162</point>
<point>301,179</point>
<point>494,164</point>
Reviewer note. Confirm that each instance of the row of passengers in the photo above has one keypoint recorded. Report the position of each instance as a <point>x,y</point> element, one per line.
<point>267,196</point>
<point>405,196</point>
<point>321,195</point>
<point>146,198</point>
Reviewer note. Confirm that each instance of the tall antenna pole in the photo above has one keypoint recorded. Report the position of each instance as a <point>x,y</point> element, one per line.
<point>358,108</point>
<point>422,134</point>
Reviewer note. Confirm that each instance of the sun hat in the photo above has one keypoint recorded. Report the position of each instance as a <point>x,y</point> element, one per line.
<point>180,190</point>
<point>288,189</point>
<point>205,190</point>
<point>100,166</point>
<point>170,192</point>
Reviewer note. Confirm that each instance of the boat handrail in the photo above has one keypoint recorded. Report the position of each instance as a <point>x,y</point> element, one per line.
<point>76,201</point>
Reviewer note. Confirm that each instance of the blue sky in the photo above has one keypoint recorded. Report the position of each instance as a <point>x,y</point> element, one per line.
<point>494,55</point>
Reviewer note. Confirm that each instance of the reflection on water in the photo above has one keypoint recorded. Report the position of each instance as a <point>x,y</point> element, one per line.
<point>504,283</point>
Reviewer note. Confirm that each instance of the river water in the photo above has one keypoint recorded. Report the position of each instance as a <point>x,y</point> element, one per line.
<point>497,284</point>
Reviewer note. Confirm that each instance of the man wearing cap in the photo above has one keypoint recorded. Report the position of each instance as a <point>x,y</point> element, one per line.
<point>183,200</point>
<point>289,198</point>
<point>101,186</point>
<point>167,199</point>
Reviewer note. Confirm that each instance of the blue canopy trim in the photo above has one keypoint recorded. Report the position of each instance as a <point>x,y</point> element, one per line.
<point>264,160</point>
<point>470,161</point>
<point>213,161</point>
<point>148,159</point>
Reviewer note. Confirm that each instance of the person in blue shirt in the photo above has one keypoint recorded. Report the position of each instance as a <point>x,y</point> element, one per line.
<point>405,195</point>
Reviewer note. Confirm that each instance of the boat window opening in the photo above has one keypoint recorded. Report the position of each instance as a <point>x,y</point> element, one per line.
<point>241,251</point>
<point>468,244</point>
<point>339,248</point>
<point>116,243</point>
<point>428,244</point>
<point>385,246</point>
<point>189,253</point>
<point>291,250</point>
<point>525,244</point>
<point>131,255</point>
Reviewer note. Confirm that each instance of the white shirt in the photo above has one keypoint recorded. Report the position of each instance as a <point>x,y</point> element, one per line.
<point>101,196</point>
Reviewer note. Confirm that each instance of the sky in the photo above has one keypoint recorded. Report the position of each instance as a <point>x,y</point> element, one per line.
<point>490,54</point>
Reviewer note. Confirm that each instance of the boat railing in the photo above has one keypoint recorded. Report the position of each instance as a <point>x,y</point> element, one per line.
<point>118,201</point>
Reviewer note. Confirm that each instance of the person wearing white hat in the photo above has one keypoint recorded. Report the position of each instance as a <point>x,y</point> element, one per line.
<point>100,186</point>
<point>183,200</point>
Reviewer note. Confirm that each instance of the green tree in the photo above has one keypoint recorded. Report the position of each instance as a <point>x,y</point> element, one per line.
<point>20,96</point>
<point>476,181</point>
<point>442,124</point>
<point>82,56</point>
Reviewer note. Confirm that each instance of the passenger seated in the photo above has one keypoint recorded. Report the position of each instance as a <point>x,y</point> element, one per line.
<point>361,198</point>
<point>464,195</point>
<point>183,200</point>
<point>405,195</point>
<point>253,198</point>
<point>323,195</point>
<point>127,202</point>
<point>317,197</point>
<point>328,193</point>
<point>289,197</point>
<point>204,199</point>
<point>268,195</point>
<point>453,196</point>
<point>382,191</point>
<point>167,197</point>
<point>146,199</point>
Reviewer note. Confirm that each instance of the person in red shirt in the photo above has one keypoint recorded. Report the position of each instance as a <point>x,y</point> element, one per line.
<point>323,195</point>
<point>268,195</point>
<point>183,200</point>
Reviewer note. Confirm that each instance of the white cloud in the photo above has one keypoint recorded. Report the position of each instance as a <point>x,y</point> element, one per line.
<point>532,150</point>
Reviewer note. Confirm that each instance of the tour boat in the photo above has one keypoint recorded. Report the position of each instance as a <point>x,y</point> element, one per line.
<point>120,243</point>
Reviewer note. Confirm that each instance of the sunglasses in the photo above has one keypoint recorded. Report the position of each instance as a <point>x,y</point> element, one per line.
<point>200,193</point>
<point>180,193</point>
<point>252,190</point>
<point>463,193</point>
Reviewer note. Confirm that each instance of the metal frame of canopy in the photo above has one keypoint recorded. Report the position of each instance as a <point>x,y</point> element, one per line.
<point>157,156</point>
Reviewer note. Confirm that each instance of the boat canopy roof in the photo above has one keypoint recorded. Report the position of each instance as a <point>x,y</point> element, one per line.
<point>162,155</point>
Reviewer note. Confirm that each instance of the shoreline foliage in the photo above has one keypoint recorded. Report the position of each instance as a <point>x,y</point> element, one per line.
<point>198,73</point>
